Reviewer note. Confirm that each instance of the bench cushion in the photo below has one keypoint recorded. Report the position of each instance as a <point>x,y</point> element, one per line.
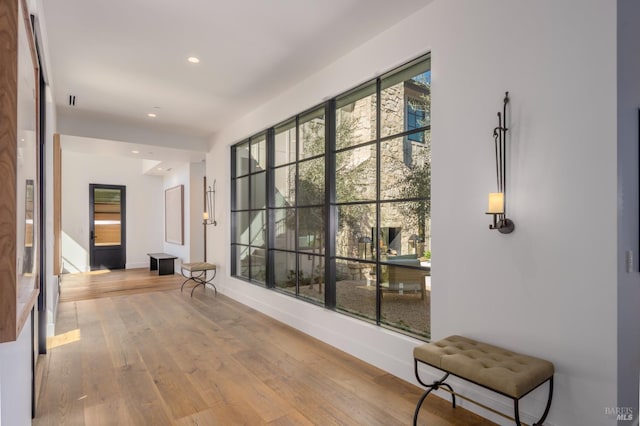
<point>198,266</point>
<point>507,372</point>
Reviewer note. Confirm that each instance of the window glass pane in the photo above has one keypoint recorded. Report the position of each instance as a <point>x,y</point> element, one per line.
<point>258,231</point>
<point>406,100</point>
<point>242,261</point>
<point>258,154</point>
<point>258,264</point>
<point>311,182</point>
<point>356,289</point>
<point>398,287</point>
<point>356,174</point>
<point>356,230</point>
<point>406,296</point>
<point>404,229</point>
<point>311,228</point>
<point>312,130</point>
<point>242,193</point>
<point>241,234</point>
<point>285,271</point>
<point>285,229</point>
<point>106,216</point>
<point>356,117</point>
<point>285,143</point>
<point>242,159</point>
<point>311,277</point>
<point>407,168</point>
<point>258,191</point>
<point>285,182</point>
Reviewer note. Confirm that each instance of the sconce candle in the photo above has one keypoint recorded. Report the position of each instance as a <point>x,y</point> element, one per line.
<point>496,203</point>
<point>205,215</point>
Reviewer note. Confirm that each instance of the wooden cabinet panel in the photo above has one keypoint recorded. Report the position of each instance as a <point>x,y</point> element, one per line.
<point>19,234</point>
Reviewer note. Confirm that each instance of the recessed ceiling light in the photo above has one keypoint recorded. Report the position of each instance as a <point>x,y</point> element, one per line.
<point>152,115</point>
<point>135,151</point>
<point>193,59</point>
<point>159,168</point>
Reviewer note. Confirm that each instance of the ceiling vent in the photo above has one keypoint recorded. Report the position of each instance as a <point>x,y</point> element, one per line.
<point>72,100</point>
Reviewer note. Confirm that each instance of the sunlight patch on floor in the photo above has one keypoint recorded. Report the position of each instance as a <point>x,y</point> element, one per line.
<point>63,339</point>
<point>98,272</point>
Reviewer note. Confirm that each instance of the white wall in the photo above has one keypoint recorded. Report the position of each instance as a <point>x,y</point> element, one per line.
<point>50,278</point>
<point>549,289</point>
<point>628,282</point>
<point>190,175</point>
<point>145,207</point>
<point>179,176</point>
<point>15,379</point>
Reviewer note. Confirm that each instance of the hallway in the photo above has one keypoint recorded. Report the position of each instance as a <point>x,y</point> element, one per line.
<point>137,354</point>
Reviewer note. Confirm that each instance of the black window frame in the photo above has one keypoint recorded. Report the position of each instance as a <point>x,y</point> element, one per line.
<point>330,204</point>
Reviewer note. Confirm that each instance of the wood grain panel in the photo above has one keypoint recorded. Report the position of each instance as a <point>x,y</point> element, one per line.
<point>8,156</point>
<point>57,205</point>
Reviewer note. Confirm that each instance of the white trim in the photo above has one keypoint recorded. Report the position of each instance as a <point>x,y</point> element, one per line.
<point>386,349</point>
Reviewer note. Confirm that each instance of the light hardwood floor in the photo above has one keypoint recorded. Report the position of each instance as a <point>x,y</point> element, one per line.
<point>130,349</point>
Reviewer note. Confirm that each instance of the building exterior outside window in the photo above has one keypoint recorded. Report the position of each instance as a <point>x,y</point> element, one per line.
<point>248,211</point>
<point>333,205</point>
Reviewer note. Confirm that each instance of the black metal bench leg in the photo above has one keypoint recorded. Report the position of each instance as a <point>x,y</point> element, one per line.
<point>517,412</point>
<point>453,395</point>
<point>546,410</point>
<point>196,286</point>
<point>433,386</point>
<point>201,280</point>
<point>198,280</point>
<point>186,281</point>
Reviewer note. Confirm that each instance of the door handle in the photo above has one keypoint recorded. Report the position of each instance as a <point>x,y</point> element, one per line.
<point>91,235</point>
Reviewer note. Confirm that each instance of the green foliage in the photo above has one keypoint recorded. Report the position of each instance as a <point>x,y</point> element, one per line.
<point>417,185</point>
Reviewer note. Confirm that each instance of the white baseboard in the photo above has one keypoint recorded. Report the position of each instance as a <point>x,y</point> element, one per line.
<point>383,348</point>
<point>136,265</point>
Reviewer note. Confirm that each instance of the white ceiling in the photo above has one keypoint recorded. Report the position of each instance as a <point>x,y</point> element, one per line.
<point>155,160</point>
<point>122,58</point>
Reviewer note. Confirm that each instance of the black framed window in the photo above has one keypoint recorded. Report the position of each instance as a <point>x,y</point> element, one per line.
<point>383,200</point>
<point>298,207</point>
<point>248,212</point>
<point>347,220</point>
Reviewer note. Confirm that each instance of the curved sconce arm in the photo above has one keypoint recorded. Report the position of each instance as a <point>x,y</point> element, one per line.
<point>498,200</point>
<point>209,215</point>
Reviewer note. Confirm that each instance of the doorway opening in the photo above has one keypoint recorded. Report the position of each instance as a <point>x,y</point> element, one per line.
<point>107,226</point>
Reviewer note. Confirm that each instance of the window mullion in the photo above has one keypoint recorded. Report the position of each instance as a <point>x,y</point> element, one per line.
<point>378,183</point>
<point>270,204</point>
<point>330,211</point>
<point>249,185</point>
<point>297,202</point>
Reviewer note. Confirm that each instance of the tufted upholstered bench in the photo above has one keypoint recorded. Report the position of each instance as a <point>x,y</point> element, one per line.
<point>507,373</point>
<point>197,272</point>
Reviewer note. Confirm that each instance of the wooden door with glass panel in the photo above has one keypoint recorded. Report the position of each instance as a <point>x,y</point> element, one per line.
<point>107,225</point>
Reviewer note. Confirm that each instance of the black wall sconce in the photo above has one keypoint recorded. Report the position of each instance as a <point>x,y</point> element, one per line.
<point>209,214</point>
<point>498,200</point>
<point>364,248</point>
